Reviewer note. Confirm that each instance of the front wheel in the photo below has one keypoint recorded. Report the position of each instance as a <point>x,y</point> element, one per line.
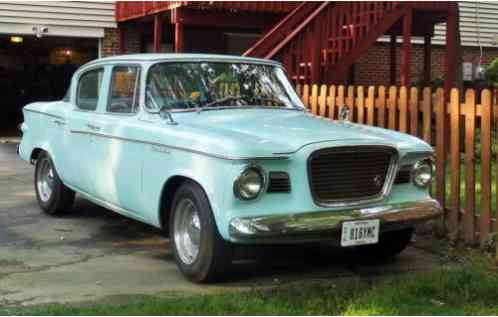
<point>52,195</point>
<point>201,254</point>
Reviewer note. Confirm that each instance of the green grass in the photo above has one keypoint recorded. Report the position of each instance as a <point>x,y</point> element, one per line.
<point>469,289</point>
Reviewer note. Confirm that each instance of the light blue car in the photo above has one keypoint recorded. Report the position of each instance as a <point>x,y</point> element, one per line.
<point>218,151</point>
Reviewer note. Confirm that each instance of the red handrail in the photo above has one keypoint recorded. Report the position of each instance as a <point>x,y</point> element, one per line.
<point>127,10</point>
<point>328,34</point>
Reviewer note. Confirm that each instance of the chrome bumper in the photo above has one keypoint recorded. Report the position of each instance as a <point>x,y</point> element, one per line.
<point>316,226</point>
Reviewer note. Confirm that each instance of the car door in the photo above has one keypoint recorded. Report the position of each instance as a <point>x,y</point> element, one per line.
<point>120,150</point>
<point>79,155</point>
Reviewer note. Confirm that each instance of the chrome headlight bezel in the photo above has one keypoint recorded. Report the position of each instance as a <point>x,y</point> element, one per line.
<point>241,181</point>
<point>422,173</point>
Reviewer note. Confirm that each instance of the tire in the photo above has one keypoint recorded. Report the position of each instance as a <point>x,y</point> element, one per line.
<point>209,254</point>
<point>52,195</point>
<point>390,245</point>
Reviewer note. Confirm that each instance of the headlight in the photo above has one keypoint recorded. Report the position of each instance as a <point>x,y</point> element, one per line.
<point>250,183</point>
<point>422,173</point>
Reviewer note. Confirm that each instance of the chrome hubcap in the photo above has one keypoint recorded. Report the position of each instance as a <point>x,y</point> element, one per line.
<point>45,180</point>
<point>187,226</point>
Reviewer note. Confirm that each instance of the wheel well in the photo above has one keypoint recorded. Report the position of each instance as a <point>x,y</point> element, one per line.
<point>167,195</point>
<point>34,155</point>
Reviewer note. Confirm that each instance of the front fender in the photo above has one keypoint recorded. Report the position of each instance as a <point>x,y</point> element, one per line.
<point>209,172</point>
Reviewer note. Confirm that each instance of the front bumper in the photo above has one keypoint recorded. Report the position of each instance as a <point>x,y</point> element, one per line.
<point>325,225</point>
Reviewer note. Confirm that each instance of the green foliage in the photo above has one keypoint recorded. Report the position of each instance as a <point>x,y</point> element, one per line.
<point>433,84</point>
<point>491,74</point>
<point>463,290</point>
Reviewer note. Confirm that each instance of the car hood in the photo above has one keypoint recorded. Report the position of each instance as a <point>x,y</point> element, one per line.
<point>266,132</point>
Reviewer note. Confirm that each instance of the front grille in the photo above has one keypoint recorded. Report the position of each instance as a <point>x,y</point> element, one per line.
<point>349,173</point>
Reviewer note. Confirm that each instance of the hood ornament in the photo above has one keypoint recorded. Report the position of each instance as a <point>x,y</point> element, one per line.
<point>344,114</point>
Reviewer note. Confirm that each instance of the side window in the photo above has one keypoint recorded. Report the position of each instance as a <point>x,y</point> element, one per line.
<point>124,93</point>
<point>89,85</point>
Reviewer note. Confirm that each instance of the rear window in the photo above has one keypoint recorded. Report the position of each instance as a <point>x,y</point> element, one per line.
<point>89,87</point>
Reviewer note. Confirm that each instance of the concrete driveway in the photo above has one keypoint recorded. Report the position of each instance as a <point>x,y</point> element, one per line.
<point>93,253</point>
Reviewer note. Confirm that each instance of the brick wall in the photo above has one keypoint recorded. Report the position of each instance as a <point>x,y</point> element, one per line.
<point>373,68</point>
<point>110,42</point>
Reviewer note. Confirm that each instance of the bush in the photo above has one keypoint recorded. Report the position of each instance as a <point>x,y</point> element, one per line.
<point>491,74</point>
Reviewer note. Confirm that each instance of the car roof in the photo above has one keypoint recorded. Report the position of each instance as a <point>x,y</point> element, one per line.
<point>182,57</point>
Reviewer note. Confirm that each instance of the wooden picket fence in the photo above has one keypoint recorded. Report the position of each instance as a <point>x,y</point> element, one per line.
<point>460,127</point>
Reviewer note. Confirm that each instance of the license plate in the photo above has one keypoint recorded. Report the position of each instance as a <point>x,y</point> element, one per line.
<point>360,232</point>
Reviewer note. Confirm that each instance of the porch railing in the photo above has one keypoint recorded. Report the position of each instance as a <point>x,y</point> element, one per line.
<point>127,10</point>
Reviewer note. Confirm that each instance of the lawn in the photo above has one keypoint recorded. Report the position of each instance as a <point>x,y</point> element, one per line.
<point>465,289</point>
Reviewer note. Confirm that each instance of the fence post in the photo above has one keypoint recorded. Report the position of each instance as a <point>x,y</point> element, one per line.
<point>484,215</point>
<point>340,97</point>
<point>414,111</point>
<point>391,104</point>
<point>314,100</point>
<point>322,101</point>
<point>306,96</point>
<point>454,210</point>
<point>360,104</point>
<point>403,109</point>
<point>381,103</point>
<point>427,115</point>
<point>470,181</point>
<point>350,103</point>
<point>440,106</point>
<point>331,101</point>
<point>371,105</point>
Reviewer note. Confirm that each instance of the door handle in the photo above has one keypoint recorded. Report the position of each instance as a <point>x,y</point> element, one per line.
<point>59,122</point>
<point>93,127</point>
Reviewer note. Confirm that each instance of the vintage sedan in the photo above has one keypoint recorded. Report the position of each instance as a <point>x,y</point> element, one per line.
<point>219,151</point>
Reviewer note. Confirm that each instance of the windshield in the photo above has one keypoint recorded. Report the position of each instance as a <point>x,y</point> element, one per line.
<point>197,85</point>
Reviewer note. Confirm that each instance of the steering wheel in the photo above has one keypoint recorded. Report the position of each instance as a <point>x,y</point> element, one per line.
<point>119,106</point>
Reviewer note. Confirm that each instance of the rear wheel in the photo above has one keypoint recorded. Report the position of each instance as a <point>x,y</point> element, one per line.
<point>201,254</point>
<point>390,244</point>
<point>52,195</point>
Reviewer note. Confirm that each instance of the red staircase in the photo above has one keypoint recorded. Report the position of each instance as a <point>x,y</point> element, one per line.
<point>344,30</point>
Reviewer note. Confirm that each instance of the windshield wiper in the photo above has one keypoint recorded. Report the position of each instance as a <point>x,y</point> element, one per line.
<point>218,101</point>
<point>280,103</point>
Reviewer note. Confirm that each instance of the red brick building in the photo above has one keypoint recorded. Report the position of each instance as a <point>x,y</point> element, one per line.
<point>39,39</point>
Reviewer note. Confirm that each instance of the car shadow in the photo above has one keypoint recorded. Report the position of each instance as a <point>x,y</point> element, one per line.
<point>251,263</point>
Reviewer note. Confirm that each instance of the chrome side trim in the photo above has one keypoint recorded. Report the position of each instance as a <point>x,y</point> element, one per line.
<point>301,225</point>
<point>44,113</point>
<point>213,155</point>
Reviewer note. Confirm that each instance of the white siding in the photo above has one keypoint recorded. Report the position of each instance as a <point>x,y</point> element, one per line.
<point>62,18</point>
<point>486,17</point>
<point>478,20</point>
